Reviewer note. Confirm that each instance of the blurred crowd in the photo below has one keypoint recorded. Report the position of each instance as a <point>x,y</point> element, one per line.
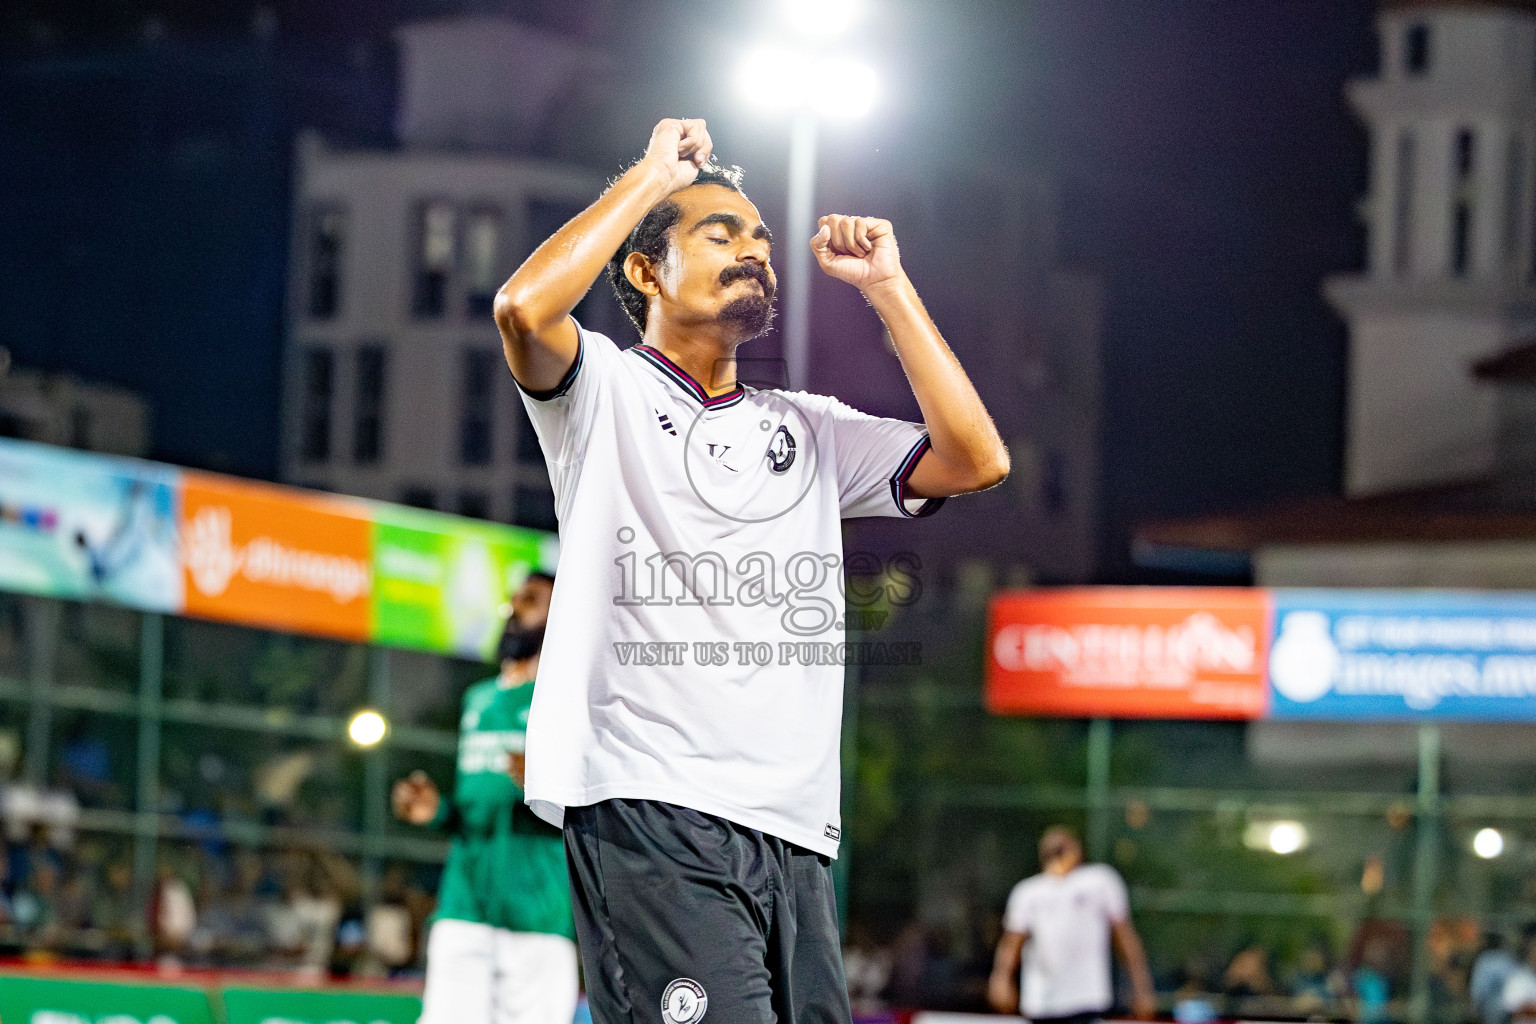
<point>292,910</point>
<point>1477,975</point>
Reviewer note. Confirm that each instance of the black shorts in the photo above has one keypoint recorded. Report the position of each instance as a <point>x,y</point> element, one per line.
<point>682,915</point>
<point>1090,1017</point>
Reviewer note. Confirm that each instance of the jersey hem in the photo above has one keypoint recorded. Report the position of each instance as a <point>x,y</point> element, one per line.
<point>899,491</point>
<point>553,811</point>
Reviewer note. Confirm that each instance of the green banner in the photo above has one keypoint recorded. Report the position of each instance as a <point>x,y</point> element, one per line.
<point>442,590</point>
<point>276,1006</point>
<point>28,1000</point>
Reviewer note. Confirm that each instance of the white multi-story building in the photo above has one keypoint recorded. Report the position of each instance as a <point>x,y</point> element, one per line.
<point>394,385</point>
<point>61,409</point>
<point>1451,274</point>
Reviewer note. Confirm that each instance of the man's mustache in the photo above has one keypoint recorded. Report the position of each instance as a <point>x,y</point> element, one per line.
<point>755,271</point>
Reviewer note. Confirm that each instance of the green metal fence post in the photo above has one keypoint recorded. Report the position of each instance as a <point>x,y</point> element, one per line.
<point>1426,868</point>
<point>375,774</point>
<point>1100,741</point>
<point>146,819</point>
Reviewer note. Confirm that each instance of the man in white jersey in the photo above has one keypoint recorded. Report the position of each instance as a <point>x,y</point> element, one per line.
<point>1059,924</point>
<point>689,744</point>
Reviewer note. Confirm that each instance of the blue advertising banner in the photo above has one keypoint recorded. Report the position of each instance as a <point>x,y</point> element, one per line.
<point>1344,654</point>
<point>89,527</point>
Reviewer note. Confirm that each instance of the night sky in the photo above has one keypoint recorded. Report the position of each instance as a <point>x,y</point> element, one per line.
<point>1209,165</point>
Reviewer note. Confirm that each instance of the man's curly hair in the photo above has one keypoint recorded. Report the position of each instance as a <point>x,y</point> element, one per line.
<point>651,239</point>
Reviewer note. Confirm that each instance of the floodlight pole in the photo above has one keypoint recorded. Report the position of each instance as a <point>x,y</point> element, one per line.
<point>797,263</point>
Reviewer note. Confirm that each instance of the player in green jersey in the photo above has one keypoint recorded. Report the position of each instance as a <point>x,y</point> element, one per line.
<point>501,949</point>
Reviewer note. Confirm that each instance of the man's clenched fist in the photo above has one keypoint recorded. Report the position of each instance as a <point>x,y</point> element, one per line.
<point>859,250</point>
<point>678,148</point>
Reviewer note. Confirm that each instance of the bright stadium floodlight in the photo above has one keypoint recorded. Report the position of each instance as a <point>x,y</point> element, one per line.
<point>1488,843</point>
<point>367,728</point>
<point>822,19</point>
<point>1287,837</point>
<point>809,81</point>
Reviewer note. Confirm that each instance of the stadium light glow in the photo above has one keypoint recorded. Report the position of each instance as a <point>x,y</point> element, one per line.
<point>367,728</point>
<point>789,79</point>
<point>1488,843</point>
<point>1287,837</point>
<point>823,19</point>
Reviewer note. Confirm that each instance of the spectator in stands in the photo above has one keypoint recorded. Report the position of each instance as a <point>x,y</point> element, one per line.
<point>117,913</point>
<point>1248,974</point>
<point>1519,995</point>
<point>172,917</point>
<point>1490,970</point>
<point>1312,985</point>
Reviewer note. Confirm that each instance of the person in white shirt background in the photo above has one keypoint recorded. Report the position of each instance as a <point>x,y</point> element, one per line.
<point>1053,961</point>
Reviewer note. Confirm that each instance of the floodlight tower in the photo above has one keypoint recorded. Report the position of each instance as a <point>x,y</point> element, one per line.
<point>805,75</point>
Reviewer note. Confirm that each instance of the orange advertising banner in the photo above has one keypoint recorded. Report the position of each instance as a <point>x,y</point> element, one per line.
<point>275,557</point>
<point>1129,652</point>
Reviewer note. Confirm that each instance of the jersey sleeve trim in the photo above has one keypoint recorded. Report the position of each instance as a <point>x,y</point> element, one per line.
<point>565,382</point>
<point>899,491</point>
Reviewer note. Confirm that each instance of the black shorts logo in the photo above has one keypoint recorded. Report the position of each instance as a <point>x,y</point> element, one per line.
<point>684,1002</point>
<point>781,450</point>
<point>832,832</point>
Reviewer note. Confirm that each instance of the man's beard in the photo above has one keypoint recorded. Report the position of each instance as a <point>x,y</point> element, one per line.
<point>519,642</point>
<point>750,315</point>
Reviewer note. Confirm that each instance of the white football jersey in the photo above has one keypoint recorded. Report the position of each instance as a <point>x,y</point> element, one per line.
<point>1066,966</point>
<point>695,647</point>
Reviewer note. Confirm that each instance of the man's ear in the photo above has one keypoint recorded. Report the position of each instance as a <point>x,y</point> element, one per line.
<point>639,272</point>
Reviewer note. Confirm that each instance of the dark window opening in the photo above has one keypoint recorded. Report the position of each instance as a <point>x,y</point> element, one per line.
<point>327,236</point>
<point>319,382</point>
<point>482,257</point>
<point>1465,149</point>
<point>418,497</point>
<point>436,250</point>
<point>79,427</point>
<point>477,419</point>
<point>1402,207</point>
<point>368,425</point>
<point>474,504</point>
<point>534,507</point>
<point>1461,229</point>
<point>1416,49</point>
<point>1514,188</point>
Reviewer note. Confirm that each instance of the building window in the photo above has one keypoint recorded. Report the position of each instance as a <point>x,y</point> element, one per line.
<point>319,384</point>
<point>1416,49</point>
<point>1461,214</point>
<point>368,409</point>
<point>417,496</point>
<point>328,233</point>
<point>1402,207</point>
<point>474,504</point>
<point>80,427</point>
<point>534,507</point>
<point>1514,188</point>
<point>482,258</point>
<point>436,248</point>
<point>477,419</point>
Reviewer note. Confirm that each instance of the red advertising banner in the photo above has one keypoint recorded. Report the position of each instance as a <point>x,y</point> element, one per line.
<point>275,557</point>
<point>1129,652</point>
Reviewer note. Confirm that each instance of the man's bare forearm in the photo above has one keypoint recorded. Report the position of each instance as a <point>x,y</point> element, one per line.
<point>967,454</point>
<point>534,304</point>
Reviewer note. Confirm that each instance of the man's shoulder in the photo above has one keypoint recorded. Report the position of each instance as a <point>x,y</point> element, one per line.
<point>480,692</point>
<point>1098,874</point>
